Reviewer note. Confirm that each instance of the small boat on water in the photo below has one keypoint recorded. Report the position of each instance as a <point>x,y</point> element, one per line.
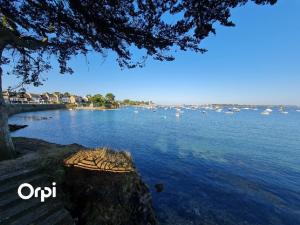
<point>282,110</point>
<point>265,113</point>
<point>268,110</point>
<point>219,110</point>
<point>229,112</point>
<point>135,111</point>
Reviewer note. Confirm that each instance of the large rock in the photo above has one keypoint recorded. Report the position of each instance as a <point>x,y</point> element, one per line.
<point>15,127</point>
<point>103,187</point>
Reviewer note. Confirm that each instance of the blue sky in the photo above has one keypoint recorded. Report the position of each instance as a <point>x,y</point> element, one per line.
<point>256,62</point>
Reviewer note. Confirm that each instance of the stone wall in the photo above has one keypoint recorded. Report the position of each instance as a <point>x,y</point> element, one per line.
<point>20,108</point>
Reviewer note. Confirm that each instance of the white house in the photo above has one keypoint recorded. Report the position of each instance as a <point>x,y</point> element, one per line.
<point>18,97</point>
<point>85,99</point>
<point>5,95</point>
<point>34,98</point>
<point>65,99</point>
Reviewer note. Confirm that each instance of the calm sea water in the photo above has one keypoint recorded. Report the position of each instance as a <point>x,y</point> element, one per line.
<point>216,168</point>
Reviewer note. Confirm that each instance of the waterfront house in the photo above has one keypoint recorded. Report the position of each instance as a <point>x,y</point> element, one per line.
<point>53,98</point>
<point>20,97</point>
<point>34,98</point>
<point>65,99</point>
<point>73,99</point>
<point>50,98</point>
<point>85,99</point>
<point>45,99</point>
<point>5,95</point>
<point>76,99</point>
<point>79,99</point>
<point>58,97</point>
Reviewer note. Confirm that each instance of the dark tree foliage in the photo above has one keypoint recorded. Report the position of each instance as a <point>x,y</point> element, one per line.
<point>110,97</point>
<point>34,30</point>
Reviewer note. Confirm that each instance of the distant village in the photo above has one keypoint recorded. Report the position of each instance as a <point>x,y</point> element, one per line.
<point>45,98</point>
<point>66,98</point>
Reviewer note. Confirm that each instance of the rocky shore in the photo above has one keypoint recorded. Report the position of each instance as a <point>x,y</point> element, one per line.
<point>112,193</point>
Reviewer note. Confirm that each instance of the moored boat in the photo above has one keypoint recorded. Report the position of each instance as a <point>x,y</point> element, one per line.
<point>265,113</point>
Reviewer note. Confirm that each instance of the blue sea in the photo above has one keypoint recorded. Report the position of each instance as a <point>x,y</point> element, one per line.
<point>216,168</point>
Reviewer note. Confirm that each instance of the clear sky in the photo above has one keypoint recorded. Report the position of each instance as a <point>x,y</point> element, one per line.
<point>256,62</point>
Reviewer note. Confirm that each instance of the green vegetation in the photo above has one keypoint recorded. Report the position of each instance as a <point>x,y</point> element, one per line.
<point>109,101</point>
<point>110,97</point>
<point>99,100</point>
<point>67,94</point>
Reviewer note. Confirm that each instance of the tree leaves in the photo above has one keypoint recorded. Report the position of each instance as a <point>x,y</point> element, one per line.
<point>38,29</point>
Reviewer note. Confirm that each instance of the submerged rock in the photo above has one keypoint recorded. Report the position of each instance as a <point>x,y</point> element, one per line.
<point>103,187</point>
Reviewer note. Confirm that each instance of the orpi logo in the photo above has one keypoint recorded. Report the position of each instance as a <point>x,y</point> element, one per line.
<point>30,192</point>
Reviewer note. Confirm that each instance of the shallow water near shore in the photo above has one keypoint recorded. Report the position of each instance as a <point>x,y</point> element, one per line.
<point>216,168</point>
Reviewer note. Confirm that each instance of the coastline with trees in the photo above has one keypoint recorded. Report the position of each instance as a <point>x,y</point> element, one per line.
<point>97,101</point>
<point>108,102</point>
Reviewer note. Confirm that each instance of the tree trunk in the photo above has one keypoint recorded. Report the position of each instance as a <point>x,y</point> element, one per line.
<point>7,150</point>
